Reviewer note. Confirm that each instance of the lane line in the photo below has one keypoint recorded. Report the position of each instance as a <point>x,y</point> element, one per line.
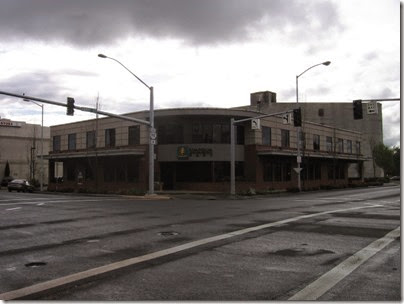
<point>84,275</point>
<point>328,280</point>
<point>56,201</point>
<point>16,208</point>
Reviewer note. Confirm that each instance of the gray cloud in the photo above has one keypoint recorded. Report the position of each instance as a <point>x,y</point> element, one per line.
<point>94,22</point>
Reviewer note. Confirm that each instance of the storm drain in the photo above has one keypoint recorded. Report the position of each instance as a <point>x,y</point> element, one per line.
<point>35,264</point>
<point>168,233</point>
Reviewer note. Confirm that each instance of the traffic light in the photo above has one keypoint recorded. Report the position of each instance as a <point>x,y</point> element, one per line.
<point>357,109</point>
<point>70,106</point>
<point>297,117</point>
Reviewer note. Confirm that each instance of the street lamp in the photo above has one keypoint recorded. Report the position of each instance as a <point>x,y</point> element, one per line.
<point>299,129</point>
<point>42,173</point>
<point>152,131</point>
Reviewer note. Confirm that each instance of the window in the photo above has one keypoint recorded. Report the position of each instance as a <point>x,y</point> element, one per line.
<point>56,143</point>
<point>321,112</point>
<point>277,170</point>
<point>349,146</point>
<point>170,134</point>
<point>316,142</point>
<point>133,135</point>
<point>90,139</point>
<point>340,145</point>
<point>217,133</point>
<point>208,133</point>
<point>337,171</point>
<point>71,145</point>
<point>266,136</point>
<point>358,147</point>
<point>110,138</point>
<point>240,135</point>
<point>328,142</point>
<point>285,138</point>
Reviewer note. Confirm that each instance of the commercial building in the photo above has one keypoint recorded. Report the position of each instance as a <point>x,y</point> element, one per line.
<point>338,114</point>
<point>20,144</point>
<point>193,152</point>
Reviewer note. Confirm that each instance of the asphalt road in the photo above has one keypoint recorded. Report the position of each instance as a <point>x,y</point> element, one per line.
<point>331,245</point>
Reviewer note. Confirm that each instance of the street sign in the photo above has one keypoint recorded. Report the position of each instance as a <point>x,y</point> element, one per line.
<point>153,141</point>
<point>299,159</point>
<point>286,119</point>
<point>256,124</point>
<point>298,170</point>
<point>372,107</point>
<point>153,135</point>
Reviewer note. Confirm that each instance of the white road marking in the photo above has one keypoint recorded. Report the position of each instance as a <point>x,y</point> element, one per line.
<point>76,277</point>
<point>328,280</point>
<point>16,208</point>
<point>55,201</point>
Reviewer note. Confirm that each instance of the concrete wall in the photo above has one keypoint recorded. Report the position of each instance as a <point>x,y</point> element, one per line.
<point>16,141</point>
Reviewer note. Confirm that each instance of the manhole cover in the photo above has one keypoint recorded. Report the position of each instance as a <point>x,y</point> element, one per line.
<point>35,264</point>
<point>168,233</point>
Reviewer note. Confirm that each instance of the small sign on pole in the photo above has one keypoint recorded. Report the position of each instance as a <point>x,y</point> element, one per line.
<point>286,119</point>
<point>256,124</point>
<point>372,107</point>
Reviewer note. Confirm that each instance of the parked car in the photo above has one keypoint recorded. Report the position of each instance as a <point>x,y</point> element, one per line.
<point>20,185</point>
<point>395,178</point>
<point>6,180</point>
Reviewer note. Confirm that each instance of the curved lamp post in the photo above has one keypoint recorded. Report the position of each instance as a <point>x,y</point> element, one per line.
<point>152,131</point>
<point>299,157</point>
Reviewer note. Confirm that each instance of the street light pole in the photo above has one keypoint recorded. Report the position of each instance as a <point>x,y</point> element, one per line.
<point>152,131</point>
<point>299,129</point>
<point>42,173</point>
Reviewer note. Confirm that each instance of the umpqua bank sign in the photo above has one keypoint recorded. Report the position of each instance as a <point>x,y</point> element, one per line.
<point>185,152</point>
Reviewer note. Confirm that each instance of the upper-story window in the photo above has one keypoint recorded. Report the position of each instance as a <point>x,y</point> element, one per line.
<point>328,143</point>
<point>56,143</point>
<point>285,138</point>
<point>90,139</point>
<point>316,142</point>
<point>134,135</point>
<point>358,147</point>
<point>71,141</point>
<point>349,146</point>
<point>170,134</point>
<point>110,138</point>
<point>204,132</point>
<point>340,145</point>
<point>266,136</point>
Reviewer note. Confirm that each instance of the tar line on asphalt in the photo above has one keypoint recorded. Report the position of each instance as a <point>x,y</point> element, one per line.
<point>328,280</point>
<point>37,289</point>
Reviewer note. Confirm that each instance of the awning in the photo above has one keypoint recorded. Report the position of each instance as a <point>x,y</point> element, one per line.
<point>342,156</point>
<point>98,153</point>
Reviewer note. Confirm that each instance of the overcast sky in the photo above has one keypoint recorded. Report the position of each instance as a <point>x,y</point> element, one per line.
<point>197,53</point>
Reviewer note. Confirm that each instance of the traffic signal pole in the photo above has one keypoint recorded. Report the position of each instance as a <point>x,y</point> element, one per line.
<point>84,109</point>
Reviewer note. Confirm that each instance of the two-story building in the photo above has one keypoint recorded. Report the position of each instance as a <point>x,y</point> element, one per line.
<point>193,153</point>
